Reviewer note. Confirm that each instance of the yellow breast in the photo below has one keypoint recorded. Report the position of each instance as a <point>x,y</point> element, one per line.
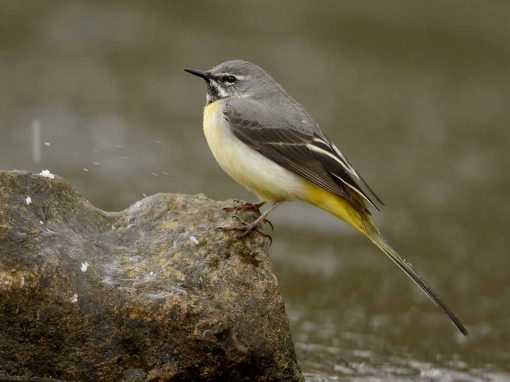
<point>249,168</point>
<point>223,144</point>
<point>211,128</point>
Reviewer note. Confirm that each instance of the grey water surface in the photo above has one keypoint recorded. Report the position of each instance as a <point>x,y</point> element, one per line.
<point>417,94</point>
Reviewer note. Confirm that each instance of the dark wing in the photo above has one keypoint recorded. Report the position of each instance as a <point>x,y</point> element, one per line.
<point>305,153</point>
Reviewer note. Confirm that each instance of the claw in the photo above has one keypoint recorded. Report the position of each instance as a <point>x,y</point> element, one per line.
<point>244,227</point>
<point>242,221</point>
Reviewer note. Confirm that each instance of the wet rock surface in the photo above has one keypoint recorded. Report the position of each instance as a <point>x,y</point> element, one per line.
<point>152,293</point>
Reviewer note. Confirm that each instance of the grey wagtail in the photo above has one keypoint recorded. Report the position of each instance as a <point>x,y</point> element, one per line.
<point>268,143</point>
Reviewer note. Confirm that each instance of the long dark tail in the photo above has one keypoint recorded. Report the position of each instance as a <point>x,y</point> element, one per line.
<point>376,238</point>
<point>360,220</point>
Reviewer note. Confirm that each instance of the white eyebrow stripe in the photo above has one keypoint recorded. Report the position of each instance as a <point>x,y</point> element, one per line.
<point>238,76</point>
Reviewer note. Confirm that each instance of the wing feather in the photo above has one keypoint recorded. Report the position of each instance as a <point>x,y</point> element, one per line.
<point>307,154</point>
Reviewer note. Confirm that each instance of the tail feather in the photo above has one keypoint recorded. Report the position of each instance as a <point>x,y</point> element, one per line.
<point>361,221</point>
<point>383,245</point>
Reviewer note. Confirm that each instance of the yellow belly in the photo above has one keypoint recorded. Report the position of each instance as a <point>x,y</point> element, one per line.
<point>249,168</point>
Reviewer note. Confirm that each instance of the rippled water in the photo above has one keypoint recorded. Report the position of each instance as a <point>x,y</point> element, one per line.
<point>416,93</point>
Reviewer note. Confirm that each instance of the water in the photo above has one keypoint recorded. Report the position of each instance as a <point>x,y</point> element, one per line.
<point>417,94</point>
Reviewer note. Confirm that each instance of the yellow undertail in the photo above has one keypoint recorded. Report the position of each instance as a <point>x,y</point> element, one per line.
<point>361,221</point>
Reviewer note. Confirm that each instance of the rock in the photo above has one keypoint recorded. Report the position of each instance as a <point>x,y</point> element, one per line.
<point>152,293</point>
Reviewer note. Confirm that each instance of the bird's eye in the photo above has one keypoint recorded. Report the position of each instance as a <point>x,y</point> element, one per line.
<point>229,79</point>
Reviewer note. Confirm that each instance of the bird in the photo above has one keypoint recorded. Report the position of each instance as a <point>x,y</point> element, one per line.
<point>267,142</point>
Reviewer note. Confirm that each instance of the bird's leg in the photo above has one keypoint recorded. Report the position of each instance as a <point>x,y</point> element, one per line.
<point>246,227</point>
<point>245,206</point>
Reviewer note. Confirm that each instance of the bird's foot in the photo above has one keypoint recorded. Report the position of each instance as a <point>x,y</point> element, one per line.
<point>245,228</point>
<point>244,206</point>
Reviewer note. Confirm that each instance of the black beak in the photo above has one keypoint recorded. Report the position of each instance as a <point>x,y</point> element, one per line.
<point>197,73</point>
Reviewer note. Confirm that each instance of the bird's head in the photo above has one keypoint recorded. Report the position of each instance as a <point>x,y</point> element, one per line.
<point>236,78</point>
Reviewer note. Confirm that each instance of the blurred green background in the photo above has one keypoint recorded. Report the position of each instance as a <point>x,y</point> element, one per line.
<point>416,94</point>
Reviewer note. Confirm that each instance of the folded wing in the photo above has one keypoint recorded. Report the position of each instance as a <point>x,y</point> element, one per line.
<point>306,153</point>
